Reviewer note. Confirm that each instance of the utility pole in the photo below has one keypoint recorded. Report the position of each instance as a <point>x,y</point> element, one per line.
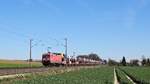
<point>74,54</point>
<point>30,59</point>
<point>48,49</point>
<point>66,46</point>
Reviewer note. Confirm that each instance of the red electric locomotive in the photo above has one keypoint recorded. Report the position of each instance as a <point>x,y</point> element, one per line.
<point>53,59</point>
<point>57,59</point>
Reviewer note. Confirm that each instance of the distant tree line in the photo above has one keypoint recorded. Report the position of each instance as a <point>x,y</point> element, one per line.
<point>92,56</point>
<point>133,62</point>
<point>112,62</point>
<point>145,61</point>
<point>115,63</point>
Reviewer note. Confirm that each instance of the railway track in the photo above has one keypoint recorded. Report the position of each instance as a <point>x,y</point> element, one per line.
<point>12,71</point>
<point>23,72</point>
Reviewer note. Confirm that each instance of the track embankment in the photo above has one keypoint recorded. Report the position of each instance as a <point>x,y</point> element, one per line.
<point>22,72</point>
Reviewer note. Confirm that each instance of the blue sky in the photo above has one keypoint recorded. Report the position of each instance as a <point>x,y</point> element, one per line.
<point>111,28</point>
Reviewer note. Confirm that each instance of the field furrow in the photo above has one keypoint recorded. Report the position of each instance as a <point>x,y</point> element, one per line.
<point>122,77</point>
<point>138,74</point>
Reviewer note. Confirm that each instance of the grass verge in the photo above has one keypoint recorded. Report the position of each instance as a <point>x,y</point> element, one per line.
<point>101,75</point>
<point>18,64</point>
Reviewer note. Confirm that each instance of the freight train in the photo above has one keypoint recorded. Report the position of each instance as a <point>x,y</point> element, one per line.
<point>59,59</point>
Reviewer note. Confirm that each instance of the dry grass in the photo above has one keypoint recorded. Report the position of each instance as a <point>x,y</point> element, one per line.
<point>17,64</point>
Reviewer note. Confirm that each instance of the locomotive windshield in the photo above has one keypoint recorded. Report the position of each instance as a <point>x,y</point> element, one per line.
<point>57,53</point>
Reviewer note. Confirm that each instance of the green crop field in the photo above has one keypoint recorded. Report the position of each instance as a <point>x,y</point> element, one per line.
<point>139,73</point>
<point>102,75</point>
<point>123,79</point>
<point>17,64</point>
<point>82,75</point>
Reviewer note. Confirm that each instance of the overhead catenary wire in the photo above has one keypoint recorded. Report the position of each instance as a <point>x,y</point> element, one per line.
<point>33,41</point>
<point>11,31</point>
